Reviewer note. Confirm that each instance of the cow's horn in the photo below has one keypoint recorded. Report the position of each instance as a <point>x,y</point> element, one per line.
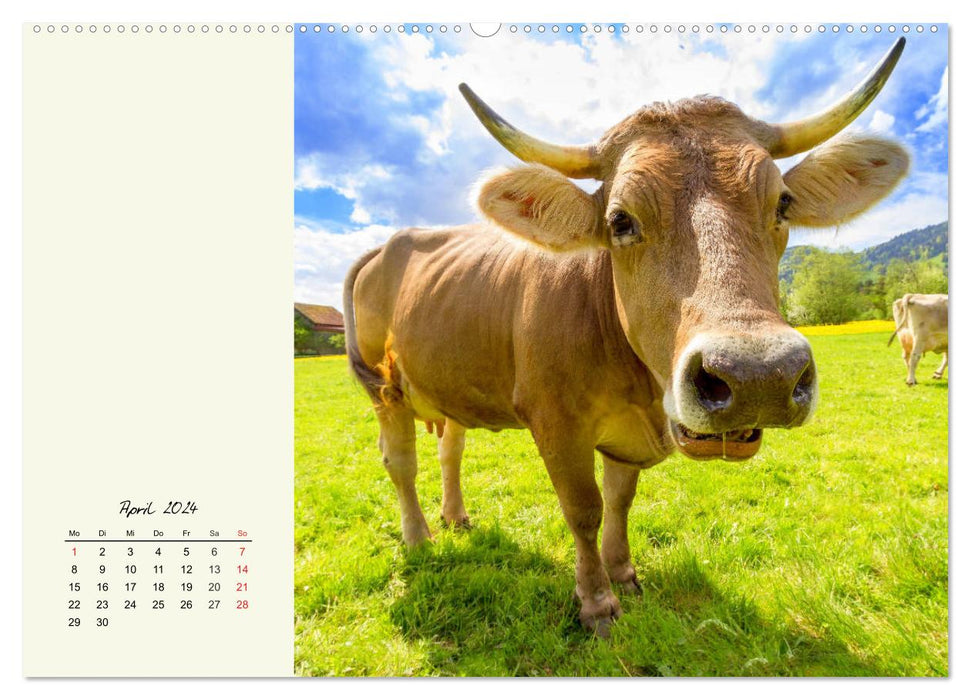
<point>572,161</point>
<point>796,137</point>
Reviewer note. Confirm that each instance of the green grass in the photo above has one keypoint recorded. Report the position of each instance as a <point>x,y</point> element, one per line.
<point>825,555</point>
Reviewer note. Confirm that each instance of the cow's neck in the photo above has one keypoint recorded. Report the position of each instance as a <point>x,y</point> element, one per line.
<point>614,338</point>
<point>633,427</point>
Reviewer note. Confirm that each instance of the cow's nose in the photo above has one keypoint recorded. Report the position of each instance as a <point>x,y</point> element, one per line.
<point>728,382</point>
<point>714,393</point>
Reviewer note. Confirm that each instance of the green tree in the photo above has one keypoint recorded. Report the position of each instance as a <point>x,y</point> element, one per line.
<point>923,276</point>
<point>826,289</point>
<point>336,341</point>
<point>785,293</point>
<point>301,335</point>
<point>871,293</point>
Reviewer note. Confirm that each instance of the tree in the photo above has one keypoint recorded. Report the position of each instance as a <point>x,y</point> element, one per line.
<point>301,335</point>
<point>872,293</point>
<point>785,294</point>
<point>825,289</point>
<point>336,341</point>
<point>923,276</point>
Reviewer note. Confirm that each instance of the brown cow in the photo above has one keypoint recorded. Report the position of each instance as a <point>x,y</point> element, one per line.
<point>921,326</point>
<point>633,321</point>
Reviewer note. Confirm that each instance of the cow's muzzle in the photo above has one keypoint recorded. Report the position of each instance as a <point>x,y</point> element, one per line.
<point>726,388</point>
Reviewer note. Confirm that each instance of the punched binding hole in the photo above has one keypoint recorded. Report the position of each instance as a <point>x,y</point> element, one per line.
<point>485,29</point>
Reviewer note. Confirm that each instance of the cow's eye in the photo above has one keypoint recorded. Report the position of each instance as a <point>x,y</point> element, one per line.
<point>785,201</point>
<point>621,223</point>
<point>623,229</point>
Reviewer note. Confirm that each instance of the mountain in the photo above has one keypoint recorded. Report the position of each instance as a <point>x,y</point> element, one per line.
<point>930,241</point>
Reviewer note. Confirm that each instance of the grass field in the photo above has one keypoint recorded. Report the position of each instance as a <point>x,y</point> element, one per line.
<point>825,555</point>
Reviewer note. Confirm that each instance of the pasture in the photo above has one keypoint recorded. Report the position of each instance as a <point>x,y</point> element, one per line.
<point>825,555</point>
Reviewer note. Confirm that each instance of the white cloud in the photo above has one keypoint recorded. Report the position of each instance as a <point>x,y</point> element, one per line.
<point>567,91</point>
<point>882,122</point>
<point>359,215</point>
<point>935,111</point>
<point>316,171</point>
<point>434,135</point>
<point>322,258</point>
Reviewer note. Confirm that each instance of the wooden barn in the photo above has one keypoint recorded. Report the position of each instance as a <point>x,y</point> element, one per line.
<point>316,329</point>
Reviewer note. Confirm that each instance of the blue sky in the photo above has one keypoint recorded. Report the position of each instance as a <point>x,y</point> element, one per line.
<point>383,139</point>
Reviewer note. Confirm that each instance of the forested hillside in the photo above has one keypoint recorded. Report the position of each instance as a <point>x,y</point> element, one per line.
<point>928,242</point>
<point>820,286</point>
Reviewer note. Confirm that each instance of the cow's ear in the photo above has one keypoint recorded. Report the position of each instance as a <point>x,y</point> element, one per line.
<point>842,179</point>
<point>542,206</point>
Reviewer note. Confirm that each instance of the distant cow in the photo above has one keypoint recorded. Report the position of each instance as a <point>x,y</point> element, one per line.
<point>633,321</point>
<point>921,326</point>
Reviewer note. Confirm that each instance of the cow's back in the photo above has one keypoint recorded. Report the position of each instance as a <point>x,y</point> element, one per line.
<point>927,320</point>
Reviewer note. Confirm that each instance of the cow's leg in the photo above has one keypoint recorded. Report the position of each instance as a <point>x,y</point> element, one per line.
<point>915,355</point>
<point>906,345</point>
<point>571,469</point>
<point>398,446</point>
<point>940,370</point>
<point>620,485</point>
<point>450,447</point>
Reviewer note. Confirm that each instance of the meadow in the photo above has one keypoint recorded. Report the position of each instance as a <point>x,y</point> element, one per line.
<point>824,555</point>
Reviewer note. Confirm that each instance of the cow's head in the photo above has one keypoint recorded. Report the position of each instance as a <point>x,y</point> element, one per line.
<point>696,215</point>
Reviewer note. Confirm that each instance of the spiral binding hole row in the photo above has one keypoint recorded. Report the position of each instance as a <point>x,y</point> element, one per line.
<point>164,28</point>
<point>512,28</point>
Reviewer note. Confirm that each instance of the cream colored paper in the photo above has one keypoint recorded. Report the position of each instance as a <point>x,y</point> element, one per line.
<point>157,321</point>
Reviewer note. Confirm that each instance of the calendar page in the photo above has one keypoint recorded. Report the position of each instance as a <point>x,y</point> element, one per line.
<point>557,349</point>
<point>157,408</point>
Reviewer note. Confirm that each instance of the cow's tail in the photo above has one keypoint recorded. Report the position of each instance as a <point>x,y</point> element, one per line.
<point>373,380</point>
<point>905,306</point>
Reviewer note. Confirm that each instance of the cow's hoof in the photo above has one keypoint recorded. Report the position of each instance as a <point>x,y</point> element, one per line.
<point>416,543</point>
<point>631,587</point>
<point>910,383</point>
<point>598,612</point>
<point>459,522</point>
<point>625,577</point>
<point>416,534</point>
<point>603,628</point>
<point>936,375</point>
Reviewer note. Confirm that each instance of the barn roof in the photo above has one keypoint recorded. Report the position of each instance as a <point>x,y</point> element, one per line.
<point>322,317</point>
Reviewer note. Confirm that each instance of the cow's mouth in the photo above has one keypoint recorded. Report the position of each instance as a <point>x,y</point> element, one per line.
<point>732,445</point>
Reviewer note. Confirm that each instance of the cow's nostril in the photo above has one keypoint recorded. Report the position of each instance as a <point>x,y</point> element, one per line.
<point>803,393</point>
<point>713,393</point>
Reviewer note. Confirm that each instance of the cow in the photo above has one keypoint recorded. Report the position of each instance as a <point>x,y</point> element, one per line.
<point>920,322</point>
<point>635,321</point>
